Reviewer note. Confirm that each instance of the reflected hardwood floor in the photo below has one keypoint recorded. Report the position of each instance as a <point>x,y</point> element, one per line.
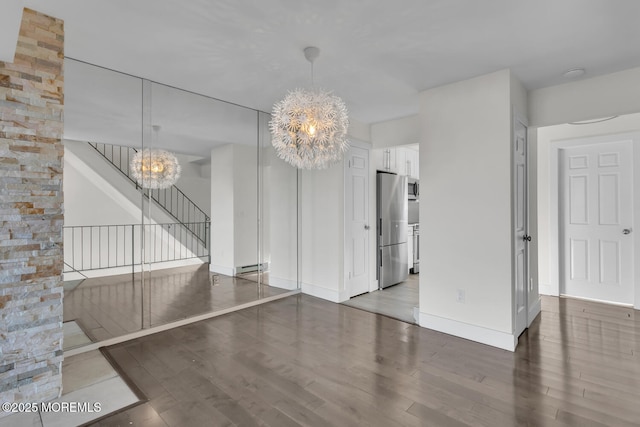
<point>107,307</point>
<point>396,301</point>
<point>305,361</point>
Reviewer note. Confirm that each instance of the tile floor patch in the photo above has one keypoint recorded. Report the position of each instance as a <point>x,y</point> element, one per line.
<point>85,369</point>
<point>89,383</point>
<point>74,336</point>
<point>21,420</point>
<point>111,395</point>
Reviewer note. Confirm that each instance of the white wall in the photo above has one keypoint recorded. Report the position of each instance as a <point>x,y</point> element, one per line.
<point>222,210</point>
<point>322,233</point>
<point>358,130</point>
<point>519,97</point>
<point>234,208</point>
<point>89,199</point>
<point>402,131</point>
<point>465,220</point>
<point>10,20</point>
<point>280,195</point>
<point>195,182</point>
<point>245,205</point>
<point>608,95</point>
<point>97,194</point>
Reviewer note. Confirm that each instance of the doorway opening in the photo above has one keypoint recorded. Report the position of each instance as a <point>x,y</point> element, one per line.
<point>392,229</point>
<point>588,183</point>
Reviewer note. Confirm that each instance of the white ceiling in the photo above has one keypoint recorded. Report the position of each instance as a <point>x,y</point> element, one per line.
<point>107,107</point>
<point>377,55</point>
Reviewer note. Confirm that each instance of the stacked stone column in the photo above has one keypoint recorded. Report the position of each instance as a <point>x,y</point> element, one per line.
<point>31,213</point>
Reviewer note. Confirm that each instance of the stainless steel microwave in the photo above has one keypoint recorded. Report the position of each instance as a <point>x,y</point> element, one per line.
<point>413,189</point>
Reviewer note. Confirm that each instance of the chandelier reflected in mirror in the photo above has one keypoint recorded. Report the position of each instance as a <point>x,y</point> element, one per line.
<point>154,168</point>
<point>309,127</point>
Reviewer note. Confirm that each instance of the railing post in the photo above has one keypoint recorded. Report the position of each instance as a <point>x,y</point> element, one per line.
<point>207,240</point>
<point>133,249</point>
<point>73,247</point>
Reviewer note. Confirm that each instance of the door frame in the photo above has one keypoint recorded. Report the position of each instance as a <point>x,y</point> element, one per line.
<point>518,118</point>
<point>373,285</point>
<point>554,203</point>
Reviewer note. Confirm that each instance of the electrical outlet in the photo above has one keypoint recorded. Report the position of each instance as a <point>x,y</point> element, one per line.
<point>460,297</point>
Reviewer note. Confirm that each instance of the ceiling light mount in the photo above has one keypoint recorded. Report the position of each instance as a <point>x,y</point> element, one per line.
<point>311,53</point>
<point>574,73</point>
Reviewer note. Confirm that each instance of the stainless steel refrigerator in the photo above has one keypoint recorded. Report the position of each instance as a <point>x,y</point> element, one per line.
<point>392,204</point>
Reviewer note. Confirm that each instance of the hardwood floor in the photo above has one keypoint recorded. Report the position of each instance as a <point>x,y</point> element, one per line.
<point>305,361</point>
<point>107,307</point>
<point>396,301</point>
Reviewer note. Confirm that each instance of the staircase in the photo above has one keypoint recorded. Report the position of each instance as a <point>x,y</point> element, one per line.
<point>172,200</point>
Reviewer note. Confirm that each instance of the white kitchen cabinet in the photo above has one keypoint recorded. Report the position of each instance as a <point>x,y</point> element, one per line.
<point>385,159</point>
<point>411,162</point>
<point>400,160</point>
<point>379,159</point>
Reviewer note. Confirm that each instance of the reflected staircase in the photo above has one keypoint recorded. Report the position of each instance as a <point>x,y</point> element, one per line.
<point>190,227</point>
<point>171,199</point>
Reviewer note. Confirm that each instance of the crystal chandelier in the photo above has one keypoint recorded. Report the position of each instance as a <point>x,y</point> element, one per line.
<point>155,168</point>
<point>309,127</point>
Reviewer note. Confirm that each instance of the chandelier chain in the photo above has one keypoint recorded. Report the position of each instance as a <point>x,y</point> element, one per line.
<point>313,83</point>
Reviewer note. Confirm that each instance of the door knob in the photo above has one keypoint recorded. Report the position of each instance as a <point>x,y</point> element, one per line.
<point>526,238</point>
<point>626,231</point>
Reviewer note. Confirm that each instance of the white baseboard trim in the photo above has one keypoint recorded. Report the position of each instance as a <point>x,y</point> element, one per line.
<point>167,326</point>
<point>599,301</point>
<point>72,275</point>
<point>279,282</point>
<point>475,333</point>
<point>324,293</point>
<point>227,271</point>
<point>175,264</point>
<point>115,271</point>
<point>534,311</point>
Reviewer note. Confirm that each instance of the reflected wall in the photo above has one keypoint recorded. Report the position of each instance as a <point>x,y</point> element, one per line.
<point>278,213</point>
<point>224,234</point>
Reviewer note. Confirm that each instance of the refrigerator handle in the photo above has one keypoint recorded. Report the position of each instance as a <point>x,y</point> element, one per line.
<point>380,257</point>
<point>380,227</point>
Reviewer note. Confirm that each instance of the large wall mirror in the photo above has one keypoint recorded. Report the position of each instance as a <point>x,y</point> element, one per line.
<point>224,234</point>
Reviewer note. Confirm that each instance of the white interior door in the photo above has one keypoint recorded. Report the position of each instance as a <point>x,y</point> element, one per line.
<point>520,224</point>
<point>357,221</point>
<point>596,214</point>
